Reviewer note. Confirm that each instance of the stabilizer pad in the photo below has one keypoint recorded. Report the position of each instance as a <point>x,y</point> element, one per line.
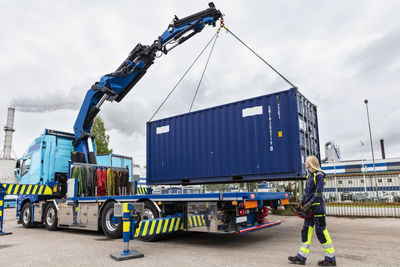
<point>133,254</point>
<point>4,233</point>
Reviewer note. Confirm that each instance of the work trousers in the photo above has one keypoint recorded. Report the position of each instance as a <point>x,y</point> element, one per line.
<point>319,222</point>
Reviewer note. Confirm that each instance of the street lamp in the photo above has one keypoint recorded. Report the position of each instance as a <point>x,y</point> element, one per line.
<point>372,147</point>
<point>370,135</point>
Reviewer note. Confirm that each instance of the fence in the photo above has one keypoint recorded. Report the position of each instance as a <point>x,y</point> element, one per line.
<point>363,194</point>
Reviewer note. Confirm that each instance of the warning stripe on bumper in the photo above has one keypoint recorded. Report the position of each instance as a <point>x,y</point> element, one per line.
<point>159,226</point>
<point>24,189</point>
<point>167,225</point>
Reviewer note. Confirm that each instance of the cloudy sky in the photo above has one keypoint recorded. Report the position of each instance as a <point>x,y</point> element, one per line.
<point>337,52</point>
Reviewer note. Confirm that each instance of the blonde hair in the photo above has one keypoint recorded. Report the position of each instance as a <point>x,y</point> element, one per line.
<point>314,163</point>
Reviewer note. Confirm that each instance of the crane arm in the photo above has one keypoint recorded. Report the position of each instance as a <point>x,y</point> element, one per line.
<point>116,85</point>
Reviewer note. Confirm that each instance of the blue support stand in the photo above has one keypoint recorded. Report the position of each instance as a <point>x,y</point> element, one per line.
<point>128,225</point>
<point>2,194</point>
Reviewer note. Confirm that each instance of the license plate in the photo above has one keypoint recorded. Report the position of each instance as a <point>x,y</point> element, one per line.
<point>241,219</point>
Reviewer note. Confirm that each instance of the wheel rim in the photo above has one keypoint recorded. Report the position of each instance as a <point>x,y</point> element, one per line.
<point>26,215</point>
<point>148,214</point>
<point>109,220</point>
<point>50,216</point>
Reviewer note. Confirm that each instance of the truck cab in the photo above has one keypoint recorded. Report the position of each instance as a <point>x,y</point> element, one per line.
<point>46,159</point>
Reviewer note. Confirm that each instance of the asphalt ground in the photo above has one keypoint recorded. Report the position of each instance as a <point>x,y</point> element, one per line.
<point>358,242</point>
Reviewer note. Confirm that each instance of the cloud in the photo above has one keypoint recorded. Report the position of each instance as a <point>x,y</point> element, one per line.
<point>52,101</point>
<point>380,55</point>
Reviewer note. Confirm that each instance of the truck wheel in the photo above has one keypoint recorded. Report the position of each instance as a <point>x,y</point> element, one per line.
<point>111,225</point>
<point>50,217</point>
<point>27,215</point>
<point>150,212</point>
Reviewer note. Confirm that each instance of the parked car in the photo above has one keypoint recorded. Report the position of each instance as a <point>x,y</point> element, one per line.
<point>396,197</point>
<point>359,196</point>
<point>383,196</point>
<point>347,196</point>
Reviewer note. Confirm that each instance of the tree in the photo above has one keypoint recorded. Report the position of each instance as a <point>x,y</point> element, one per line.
<point>101,138</point>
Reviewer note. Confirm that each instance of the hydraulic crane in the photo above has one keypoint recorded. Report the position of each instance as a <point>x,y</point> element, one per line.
<point>49,190</point>
<point>116,86</point>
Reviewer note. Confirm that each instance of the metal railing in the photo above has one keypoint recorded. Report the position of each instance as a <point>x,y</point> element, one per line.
<point>363,194</point>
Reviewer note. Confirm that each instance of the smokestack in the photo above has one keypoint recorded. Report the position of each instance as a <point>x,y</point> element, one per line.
<point>383,149</point>
<point>8,133</point>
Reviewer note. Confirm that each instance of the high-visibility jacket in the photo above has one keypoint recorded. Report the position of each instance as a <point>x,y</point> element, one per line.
<point>110,183</point>
<point>76,173</point>
<point>314,187</point>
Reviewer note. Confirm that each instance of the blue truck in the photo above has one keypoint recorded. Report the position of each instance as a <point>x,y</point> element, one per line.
<point>56,173</point>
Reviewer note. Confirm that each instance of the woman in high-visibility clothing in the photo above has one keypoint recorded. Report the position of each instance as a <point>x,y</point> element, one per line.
<point>313,200</point>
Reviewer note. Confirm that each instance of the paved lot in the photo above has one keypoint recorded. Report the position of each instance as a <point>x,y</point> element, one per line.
<point>358,242</point>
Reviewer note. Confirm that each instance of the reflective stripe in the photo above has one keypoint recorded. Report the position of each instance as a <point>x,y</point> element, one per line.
<point>327,246</point>
<point>172,225</point>
<point>303,254</point>
<point>305,245</point>
<point>316,204</point>
<point>22,189</point>
<point>34,189</point>
<point>126,226</point>
<point>146,226</point>
<point>165,225</point>
<point>153,224</point>
<point>29,190</point>
<point>330,255</point>
<point>305,250</point>
<point>322,215</point>
<point>327,237</point>
<point>310,229</point>
<point>178,220</point>
<point>159,227</point>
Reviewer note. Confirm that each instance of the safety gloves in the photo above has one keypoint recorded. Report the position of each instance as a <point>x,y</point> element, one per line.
<point>306,207</point>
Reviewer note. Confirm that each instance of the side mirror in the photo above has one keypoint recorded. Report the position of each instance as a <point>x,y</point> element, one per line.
<point>17,170</point>
<point>17,173</point>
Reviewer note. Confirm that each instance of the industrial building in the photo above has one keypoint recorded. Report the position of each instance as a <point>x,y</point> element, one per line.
<point>375,180</point>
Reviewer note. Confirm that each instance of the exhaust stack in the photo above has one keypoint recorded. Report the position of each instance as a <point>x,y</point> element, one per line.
<point>383,149</point>
<point>8,129</point>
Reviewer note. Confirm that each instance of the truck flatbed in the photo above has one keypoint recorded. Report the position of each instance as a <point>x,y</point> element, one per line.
<point>229,196</point>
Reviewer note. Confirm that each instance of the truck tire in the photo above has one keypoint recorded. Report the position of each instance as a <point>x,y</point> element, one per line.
<point>26,215</point>
<point>150,212</point>
<point>112,226</point>
<point>50,217</point>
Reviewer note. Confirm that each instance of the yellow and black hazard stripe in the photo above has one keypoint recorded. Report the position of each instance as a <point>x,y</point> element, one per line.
<point>1,211</point>
<point>196,221</point>
<point>141,190</point>
<point>159,226</point>
<point>28,189</point>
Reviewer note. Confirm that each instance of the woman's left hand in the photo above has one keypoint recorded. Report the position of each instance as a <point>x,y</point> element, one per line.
<point>307,206</point>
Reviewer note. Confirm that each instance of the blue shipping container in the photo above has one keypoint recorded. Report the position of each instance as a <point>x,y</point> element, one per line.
<point>262,138</point>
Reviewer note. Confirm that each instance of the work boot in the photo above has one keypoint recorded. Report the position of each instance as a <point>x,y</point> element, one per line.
<point>327,263</point>
<point>296,260</point>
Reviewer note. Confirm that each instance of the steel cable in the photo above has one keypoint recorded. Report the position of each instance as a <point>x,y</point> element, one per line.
<point>269,65</point>
<point>183,76</point>
<point>204,70</point>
